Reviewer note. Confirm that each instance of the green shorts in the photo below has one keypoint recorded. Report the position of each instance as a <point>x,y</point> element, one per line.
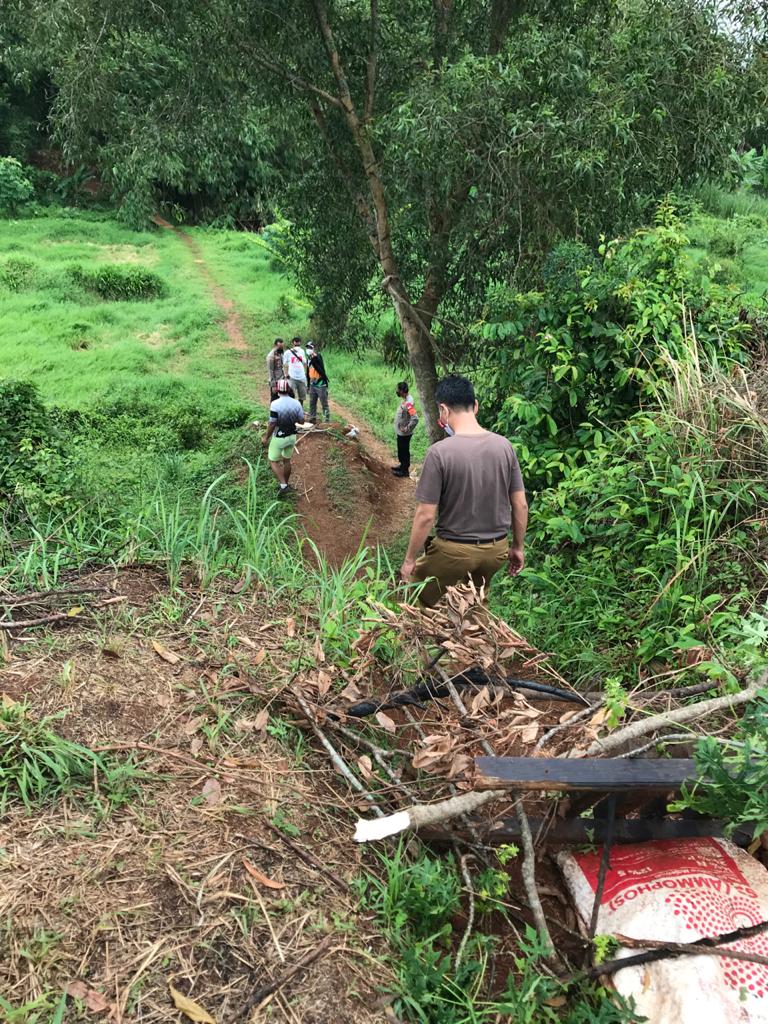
<point>281,447</point>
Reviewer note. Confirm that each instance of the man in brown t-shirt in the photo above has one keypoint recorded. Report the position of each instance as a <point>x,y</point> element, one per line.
<point>471,483</point>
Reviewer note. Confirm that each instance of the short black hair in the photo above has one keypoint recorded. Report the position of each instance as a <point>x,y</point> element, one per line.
<point>456,392</point>
<point>279,341</point>
<point>296,340</point>
<point>403,386</point>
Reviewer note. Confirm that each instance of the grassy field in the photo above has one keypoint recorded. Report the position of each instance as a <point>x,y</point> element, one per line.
<point>151,401</point>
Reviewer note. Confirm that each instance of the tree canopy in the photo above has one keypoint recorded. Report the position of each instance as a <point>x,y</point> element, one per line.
<point>421,151</point>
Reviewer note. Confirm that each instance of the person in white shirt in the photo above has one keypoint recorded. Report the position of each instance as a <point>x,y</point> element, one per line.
<point>295,369</point>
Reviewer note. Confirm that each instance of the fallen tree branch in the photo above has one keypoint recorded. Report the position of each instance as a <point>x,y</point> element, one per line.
<point>257,998</point>
<point>685,948</point>
<point>608,744</point>
<point>420,815</point>
<point>470,913</point>
<point>59,616</point>
<point>579,716</point>
<point>711,946</point>
<point>41,596</point>
<point>338,761</point>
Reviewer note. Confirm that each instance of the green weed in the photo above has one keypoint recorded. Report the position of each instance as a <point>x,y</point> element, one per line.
<point>37,765</point>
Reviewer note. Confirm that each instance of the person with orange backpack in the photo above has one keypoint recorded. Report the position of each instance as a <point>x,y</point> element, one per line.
<point>318,384</point>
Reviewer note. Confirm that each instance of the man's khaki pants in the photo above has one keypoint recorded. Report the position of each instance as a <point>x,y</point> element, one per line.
<point>450,563</point>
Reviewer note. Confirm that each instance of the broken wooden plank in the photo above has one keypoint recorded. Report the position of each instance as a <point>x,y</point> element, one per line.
<point>602,774</point>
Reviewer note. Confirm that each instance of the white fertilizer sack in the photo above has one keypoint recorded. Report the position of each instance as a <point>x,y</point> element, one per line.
<point>681,891</point>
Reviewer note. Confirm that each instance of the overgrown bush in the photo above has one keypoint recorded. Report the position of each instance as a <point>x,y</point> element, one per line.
<point>119,283</point>
<point>416,902</point>
<point>15,186</point>
<point>36,469</point>
<point>18,273</point>
<point>562,365</point>
<point>646,547</point>
<point>733,774</point>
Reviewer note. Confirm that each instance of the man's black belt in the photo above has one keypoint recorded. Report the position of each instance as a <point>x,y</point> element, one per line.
<point>471,540</point>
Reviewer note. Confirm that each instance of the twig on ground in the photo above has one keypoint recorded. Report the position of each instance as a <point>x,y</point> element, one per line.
<point>59,616</point>
<point>528,866</point>
<point>685,949</point>
<point>41,596</point>
<point>710,946</point>
<point>339,763</point>
<point>257,998</point>
<point>573,720</point>
<point>268,919</point>
<point>470,913</point>
<point>680,716</point>
<point>604,865</point>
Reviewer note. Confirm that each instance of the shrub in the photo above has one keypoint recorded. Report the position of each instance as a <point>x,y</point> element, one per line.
<point>34,464</point>
<point>15,187</point>
<point>18,273</point>
<point>117,283</point>
<point>563,364</point>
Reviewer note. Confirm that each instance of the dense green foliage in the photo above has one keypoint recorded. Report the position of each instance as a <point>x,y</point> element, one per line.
<point>417,902</point>
<point>734,772</point>
<point>120,283</point>
<point>648,455</point>
<point>580,357</point>
<point>15,186</point>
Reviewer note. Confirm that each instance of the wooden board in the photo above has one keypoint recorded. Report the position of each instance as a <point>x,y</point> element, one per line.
<point>598,774</point>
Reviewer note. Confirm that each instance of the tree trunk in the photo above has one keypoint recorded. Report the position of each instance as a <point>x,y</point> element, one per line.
<point>422,360</point>
<point>415,327</point>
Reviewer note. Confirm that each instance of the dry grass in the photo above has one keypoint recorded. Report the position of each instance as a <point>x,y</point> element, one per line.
<point>159,893</point>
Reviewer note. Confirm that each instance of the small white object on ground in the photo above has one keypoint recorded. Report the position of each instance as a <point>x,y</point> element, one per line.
<point>352,432</point>
<point>380,828</point>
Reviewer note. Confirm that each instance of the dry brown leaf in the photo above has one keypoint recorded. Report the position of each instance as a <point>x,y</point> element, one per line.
<point>351,693</point>
<point>529,734</point>
<point>290,627</point>
<point>460,763</point>
<point>318,651</point>
<point>191,727</point>
<point>95,1001</point>
<point>324,680</point>
<point>164,653</point>
<point>247,642</point>
<point>262,879</point>
<point>196,746</point>
<point>212,791</point>
<point>260,721</point>
<point>567,716</point>
<point>189,1007</point>
<point>259,657</point>
<point>365,765</point>
<point>481,700</point>
<point>425,758</point>
<point>599,717</point>
<point>386,722</point>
